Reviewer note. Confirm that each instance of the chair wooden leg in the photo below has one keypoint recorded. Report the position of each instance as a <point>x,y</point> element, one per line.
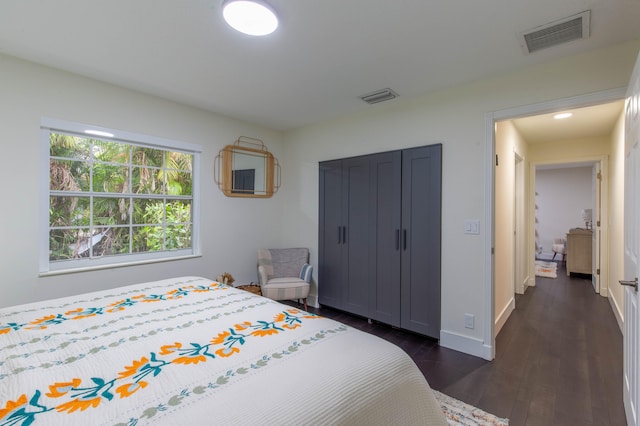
<point>305,303</point>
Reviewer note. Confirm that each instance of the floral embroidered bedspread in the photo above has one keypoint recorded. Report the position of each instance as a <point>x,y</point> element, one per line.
<point>180,351</point>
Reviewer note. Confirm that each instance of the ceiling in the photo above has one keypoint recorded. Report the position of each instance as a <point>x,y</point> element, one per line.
<point>313,68</point>
<point>593,121</point>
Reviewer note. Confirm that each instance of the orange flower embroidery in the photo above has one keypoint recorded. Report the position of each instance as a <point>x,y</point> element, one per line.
<point>227,352</point>
<point>80,313</point>
<point>221,337</point>
<point>62,388</point>
<point>10,406</point>
<point>78,404</point>
<point>4,330</point>
<point>116,306</point>
<point>291,326</point>
<point>130,370</point>
<point>169,349</point>
<point>243,326</point>
<point>130,388</point>
<point>189,359</point>
<point>264,332</point>
<point>175,294</point>
<point>279,317</point>
<point>41,320</point>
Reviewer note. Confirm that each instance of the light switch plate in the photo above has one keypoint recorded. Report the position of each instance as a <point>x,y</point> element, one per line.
<point>472,226</point>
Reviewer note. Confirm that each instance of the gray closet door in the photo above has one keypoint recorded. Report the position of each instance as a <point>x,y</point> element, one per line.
<point>385,171</point>
<point>343,235</point>
<point>331,277</point>
<point>356,288</point>
<point>421,223</point>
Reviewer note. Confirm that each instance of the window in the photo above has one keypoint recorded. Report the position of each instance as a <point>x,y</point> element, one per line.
<point>116,198</point>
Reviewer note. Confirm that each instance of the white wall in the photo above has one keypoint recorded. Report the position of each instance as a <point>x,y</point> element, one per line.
<point>232,228</point>
<point>456,118</point>
<point>562,194</point>
<point>508,143</point>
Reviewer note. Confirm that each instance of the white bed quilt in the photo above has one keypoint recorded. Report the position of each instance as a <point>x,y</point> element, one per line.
<point>191,351</point>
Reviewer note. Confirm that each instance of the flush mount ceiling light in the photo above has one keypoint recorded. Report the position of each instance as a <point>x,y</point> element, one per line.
<point>252,17</point>
<point>562,115</point>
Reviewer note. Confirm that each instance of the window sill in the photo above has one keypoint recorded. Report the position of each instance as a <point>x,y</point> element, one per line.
<point>115,265</point>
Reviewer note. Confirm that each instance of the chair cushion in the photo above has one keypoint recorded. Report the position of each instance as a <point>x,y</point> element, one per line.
<point>288,262</point>
<point>286,289</point>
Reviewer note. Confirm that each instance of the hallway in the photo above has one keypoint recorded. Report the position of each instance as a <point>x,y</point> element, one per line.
<point>560,353</point>
<point>558,358</point>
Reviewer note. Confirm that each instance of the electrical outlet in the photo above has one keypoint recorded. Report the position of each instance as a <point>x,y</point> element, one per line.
<point>469,321</point>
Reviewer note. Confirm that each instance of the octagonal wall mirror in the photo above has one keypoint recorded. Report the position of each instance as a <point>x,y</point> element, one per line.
<point>247,169</point>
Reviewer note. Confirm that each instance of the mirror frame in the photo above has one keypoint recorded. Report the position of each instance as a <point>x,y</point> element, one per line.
<point>250,146</point>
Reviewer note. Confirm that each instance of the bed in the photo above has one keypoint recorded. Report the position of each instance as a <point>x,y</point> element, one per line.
<point>192,351</point>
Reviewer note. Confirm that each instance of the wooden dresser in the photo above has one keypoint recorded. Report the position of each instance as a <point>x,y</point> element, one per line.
<point>579,242</point>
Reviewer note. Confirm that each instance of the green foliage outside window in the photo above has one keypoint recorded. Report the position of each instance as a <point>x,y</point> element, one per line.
<point>111,198</point>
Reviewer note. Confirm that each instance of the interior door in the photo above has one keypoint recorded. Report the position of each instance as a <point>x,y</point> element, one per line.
<point>356,235</point>
<point>331,245</point>
<point>519,243</point>
<point>631,335</point>
<point>384,237</point>
<point>421,240</point>
<point>596,181</point>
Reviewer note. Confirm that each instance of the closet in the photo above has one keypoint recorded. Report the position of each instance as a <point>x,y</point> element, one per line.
<point>379,237</point>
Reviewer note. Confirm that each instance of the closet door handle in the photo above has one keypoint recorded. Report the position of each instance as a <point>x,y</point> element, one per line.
<point>339,235</point>
<point>344,235</point>
<point>397,239</point>
<point>404,238</point>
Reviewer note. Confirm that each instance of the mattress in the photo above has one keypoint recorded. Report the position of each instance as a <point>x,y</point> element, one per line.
<point>192,351</point>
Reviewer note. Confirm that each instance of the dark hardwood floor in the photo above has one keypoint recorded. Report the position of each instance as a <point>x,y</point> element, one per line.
<point>558,358</point>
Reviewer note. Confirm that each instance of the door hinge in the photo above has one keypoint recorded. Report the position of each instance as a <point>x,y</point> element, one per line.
<point>598,271</point>
<point>496,159</point>
<point>598,223</point>
<point>599,175</point>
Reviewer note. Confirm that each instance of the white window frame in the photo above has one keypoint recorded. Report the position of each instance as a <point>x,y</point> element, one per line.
<point>49,125</point>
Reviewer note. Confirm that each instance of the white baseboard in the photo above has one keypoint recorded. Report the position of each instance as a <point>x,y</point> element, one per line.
<point>604,291</point>
<point>504,315</point>
<point>312,300</point>
<point>617,311</point>
<point>466,344</point>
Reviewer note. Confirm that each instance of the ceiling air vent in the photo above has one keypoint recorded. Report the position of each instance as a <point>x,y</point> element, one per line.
<point>379,96</point>
<point>564,30</point>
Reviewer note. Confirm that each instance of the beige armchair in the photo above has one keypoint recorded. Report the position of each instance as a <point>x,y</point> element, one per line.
<point>285,274</point>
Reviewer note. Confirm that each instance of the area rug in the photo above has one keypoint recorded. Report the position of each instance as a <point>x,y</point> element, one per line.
<point>459,413</point>
<point>546,269</point>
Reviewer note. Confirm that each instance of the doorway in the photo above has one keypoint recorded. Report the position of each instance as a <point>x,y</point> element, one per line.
<point>572,152</point>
